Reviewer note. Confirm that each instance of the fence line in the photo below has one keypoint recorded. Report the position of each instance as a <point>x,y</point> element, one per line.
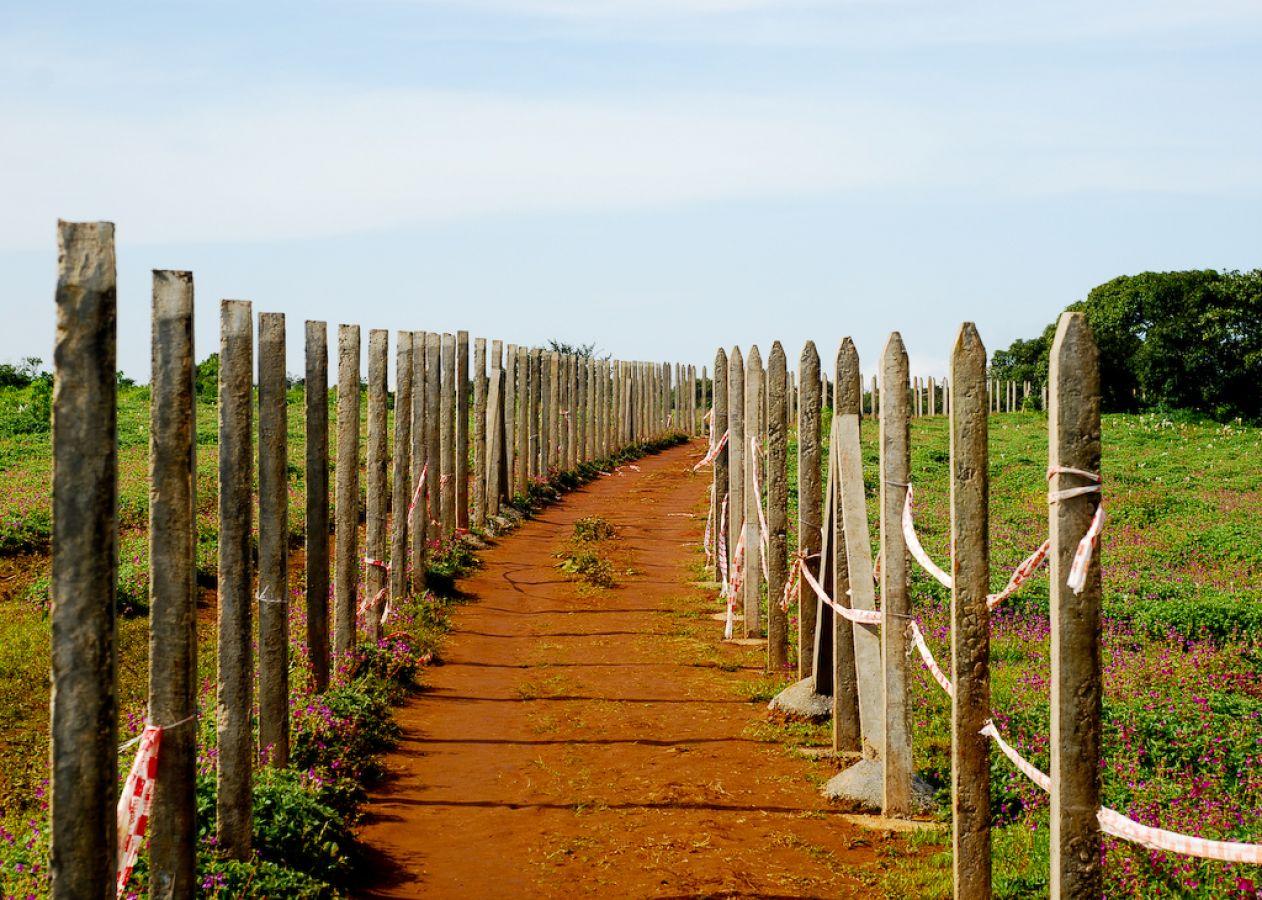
<point>537,416</point>
<point>842,655</point>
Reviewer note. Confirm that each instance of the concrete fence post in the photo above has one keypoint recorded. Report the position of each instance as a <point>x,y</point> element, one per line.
<point>479,433</point>
<point>234,765</point>
<point>777,508</point>
<point>719,480</point>
<point>401,471</point>
<point>970,619</point>
<point>736,453</point>
<point>273,593</point>
<point>376,467</point>
<point>418,520</point>
<point>895,453</point>
<point>85,563</point>
<point>856,650</point>
<point>510,416</point>
<point>346,511</point>
<point>435,387</point>
<point>447,440</point>
<point>809,498</point>
<point>460,471</point>
<point>1074,443</point>
<point>754,464</point>
<point>173,586</point>
<point>521,424</point>
<point>316,522</point>
<point>497,475</point>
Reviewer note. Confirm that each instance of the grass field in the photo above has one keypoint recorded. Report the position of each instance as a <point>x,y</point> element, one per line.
<point>1182,566</point>
<point>1182,557</point>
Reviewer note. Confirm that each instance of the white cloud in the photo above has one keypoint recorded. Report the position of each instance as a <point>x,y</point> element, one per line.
<point>308,167</point>
<point>340,163</point>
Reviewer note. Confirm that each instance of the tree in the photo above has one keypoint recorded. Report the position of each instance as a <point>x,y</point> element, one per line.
<point>1168,340</point>
<point>207,378</point>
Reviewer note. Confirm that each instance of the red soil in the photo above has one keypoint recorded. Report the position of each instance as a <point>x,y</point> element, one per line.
<point>579,739</point>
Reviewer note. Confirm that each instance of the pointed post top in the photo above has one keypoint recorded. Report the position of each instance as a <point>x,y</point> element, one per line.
<point>894,346</point>
<point>968,342</point>
<point>754,358</point>
<point>776,357</point>
<point>809,354</point>
<point>735,357</point>
<point>847,389</point>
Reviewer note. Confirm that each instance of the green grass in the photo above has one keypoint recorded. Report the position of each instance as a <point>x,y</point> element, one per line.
<point>1182,563</point>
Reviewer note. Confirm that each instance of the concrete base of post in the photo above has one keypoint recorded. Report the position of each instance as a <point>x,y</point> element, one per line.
<point>861,786</point>
<point>800,701</point>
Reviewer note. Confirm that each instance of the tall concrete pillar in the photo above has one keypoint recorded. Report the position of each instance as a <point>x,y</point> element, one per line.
<point>235,691</point>
<point>810,498</point>
<point>376,468</point>
<point>1074,443</point>
<point>316,531</point>
<point>970,620</point>
<point>447,439</point>
<point>273,593</point>
<point>401,477</point>
<point>346,512</point>
<point>85,563</point>
<point>460,471</point>
<point>479,432</point>
<point>777,508</point>
<point>173,586</point>
<point>736,452</point>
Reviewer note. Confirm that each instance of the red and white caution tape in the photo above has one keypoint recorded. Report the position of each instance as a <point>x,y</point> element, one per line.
<point>713,453</point>
<point>135,802</point>
<point>379,563</point>
<point>1019,575</point>
<point>416,495</point>
<point>1077,578</point>
<point>1114,823</point>
<point>858,616</point>
<point>721,542</point>
<point>913,544</point>
<point>918,639</point>
<point>734,586</point>
<point>794,580</point>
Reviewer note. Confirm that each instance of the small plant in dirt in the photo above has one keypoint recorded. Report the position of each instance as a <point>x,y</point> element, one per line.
<point>592,528</point>
<point>590,566</point>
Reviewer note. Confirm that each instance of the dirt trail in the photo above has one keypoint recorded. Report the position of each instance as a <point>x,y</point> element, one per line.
<point>578,740</point>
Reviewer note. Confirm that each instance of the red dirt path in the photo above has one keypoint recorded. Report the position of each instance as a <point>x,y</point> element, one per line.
<point>578,740</point>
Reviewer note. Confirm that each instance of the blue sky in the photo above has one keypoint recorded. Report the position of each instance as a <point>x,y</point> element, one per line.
<point>630,171</point>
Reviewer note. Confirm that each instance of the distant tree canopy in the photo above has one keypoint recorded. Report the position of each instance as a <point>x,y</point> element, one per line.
<point>586,351</point>
<point>1168,340</point>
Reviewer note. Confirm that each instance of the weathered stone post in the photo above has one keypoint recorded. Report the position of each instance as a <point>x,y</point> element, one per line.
<point>810,498</point>
<point>719,483</point>
<point>754,466</point>
<point>447,439</point>
<point>1074,443</point>
<point>970,619</point>
<point>736,454</point>
<point>581,412</point>
<point>375,511</point>
<point>273,594</point>
<point>575,404</point>
<point>173,586</point>
<point>538,465</point>
<point>876,390</point>
<point>401,483</point>
<point>895,452</point>
<point>555,400</point>
<point>777,509</point>
<point>316,537</point>
<point>460,471</point>
<point>496,469</point>
<point>510,417</point>
<point>346,512</point>
<point>521,427</point>
<point>435,387</point>
<point>479,432</point>
<point>856,650</point>
<point>235,693</point>
<point>418,520</point>
<point>85,563</point>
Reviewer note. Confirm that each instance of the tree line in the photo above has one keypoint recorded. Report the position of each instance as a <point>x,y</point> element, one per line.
<point>1168,341</point>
